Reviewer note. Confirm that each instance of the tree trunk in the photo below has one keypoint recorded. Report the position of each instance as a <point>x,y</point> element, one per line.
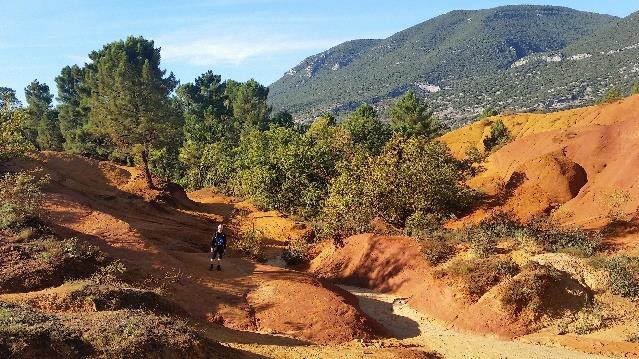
<point>147,172</point>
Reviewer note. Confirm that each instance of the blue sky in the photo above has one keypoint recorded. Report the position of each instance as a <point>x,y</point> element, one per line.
<point>239,39</point>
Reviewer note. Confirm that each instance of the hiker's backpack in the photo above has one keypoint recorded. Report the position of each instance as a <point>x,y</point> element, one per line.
<point>219,239</point>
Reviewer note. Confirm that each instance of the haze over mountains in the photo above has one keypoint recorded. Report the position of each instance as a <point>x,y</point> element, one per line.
<point>513,58</point>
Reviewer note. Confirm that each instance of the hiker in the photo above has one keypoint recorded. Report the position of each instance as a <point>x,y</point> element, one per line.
<point>218,245</point>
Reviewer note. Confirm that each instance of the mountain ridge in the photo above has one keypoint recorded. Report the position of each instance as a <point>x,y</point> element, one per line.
<point>436,59</point>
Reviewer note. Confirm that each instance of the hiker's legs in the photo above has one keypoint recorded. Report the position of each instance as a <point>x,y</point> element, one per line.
<point>220,253</point>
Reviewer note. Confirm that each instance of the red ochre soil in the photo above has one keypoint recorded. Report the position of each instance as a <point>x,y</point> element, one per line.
<point>163,239</point>
<point>571,163</point>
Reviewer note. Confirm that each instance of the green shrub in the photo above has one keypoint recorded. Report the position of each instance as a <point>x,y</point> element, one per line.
<point>20,198</point>
<point>412,177</point>
<point>25,332</point>
<point>251,243</point>
<point>531,289</point>
<point>480,275</point>
<point>421,224</point>
<point>437,250</point>
<point>297,252</point>
<point>543,231</point>
<point>554,238</point>
<point>482,243</point>
<point>612,95</point>
<point>498,137</point>
<point>624,276</point>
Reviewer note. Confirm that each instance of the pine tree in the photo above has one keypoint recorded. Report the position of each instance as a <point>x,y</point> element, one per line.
<point>409,117</point>
<point>130,98</point>
<point>43,128</point>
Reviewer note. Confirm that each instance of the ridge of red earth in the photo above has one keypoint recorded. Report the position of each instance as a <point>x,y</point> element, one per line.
<point>163,237</point>
<point>575,164</point>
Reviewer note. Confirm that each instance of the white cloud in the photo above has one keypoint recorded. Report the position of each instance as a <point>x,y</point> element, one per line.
<point>234,51</point>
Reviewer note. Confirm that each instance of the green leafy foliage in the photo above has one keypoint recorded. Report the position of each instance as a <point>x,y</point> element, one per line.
<point>541,230</point>
<point>43,128</point>
<point>297,252</point>
<point>20,198</point>
<point>130,98</point>
<point>480,275</point>
<point>410,117</point>
<point>251,243</point>
<point>366,130</point>
<point>13,142</point>
<point>635,88</point>
<point>410,175</point>
<point>437,250</point>
<point>498,137</point>
<point>624,276</point>
<point>488,112</point>
<point>612,95</point>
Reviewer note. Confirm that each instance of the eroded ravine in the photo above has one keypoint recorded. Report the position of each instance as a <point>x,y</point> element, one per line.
<point>415,329</point>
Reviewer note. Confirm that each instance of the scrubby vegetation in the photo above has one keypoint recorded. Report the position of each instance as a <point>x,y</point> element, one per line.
<point>27,332</point>
<point>498,137</point>
<point>542,231</point>
<point>624,276</point>
<point>251,243</point>
<point>530,290</point>
<point>297,252</point>
<point>20,199</point>
<point>480,275</point>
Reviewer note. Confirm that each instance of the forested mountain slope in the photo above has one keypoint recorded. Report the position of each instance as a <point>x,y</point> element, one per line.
<point>511,58</point>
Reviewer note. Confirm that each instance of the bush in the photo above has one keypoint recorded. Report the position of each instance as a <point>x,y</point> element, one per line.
<point>45,261</point>
<point>612,95</point>
<point>499,136</point>
<point>480,275</point>
<point>251,243</point>
<point>482,243</point>
<point>297,252</point>
<point>624,276</point>
<point>413,178</point>
<point>614,202</point>
<point>544,232</point>
<point>532,289</point>
<point>588,321</point>
<point>421,224</point>
<point>20,198</point>
<point>555,239</point>
<point>26,332</point>
<point>437,250</point>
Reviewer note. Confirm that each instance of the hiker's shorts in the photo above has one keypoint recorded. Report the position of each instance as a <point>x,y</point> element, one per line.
<point>218,252</point>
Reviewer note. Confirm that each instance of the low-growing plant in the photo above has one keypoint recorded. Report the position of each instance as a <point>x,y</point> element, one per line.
<point>614,202</point>
<point>499,136</point>
<point>541,230</point>
<point>251,243</point>
<point>612,95</point>
<point>20,198</point>
<point>543,290</point>
<point>482,243</point>
<point>421,224</point>
<point>297,252</point>
<point>437,250</point>
<point>624,276</point>
<point>480,275</point>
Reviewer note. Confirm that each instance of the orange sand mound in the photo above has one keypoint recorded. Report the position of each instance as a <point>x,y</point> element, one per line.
<point>543,168</point>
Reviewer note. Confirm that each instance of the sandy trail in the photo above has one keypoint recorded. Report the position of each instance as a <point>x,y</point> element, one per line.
<point>415,329</point>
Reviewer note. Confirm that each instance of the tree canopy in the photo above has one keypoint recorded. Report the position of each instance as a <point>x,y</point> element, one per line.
<point>130,97</point>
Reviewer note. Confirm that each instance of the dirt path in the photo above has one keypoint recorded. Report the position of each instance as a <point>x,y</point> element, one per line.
<point>413,328</point>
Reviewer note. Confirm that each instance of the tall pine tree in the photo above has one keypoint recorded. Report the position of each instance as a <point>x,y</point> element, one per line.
<point>129,98</point>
